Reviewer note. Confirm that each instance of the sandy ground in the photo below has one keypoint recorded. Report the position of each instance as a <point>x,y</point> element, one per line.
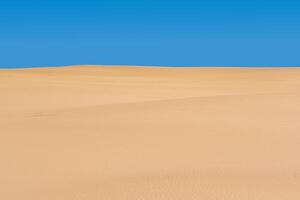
<point>138,133</point>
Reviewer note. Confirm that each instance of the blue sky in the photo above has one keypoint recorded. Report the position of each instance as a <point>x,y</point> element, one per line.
<point>149,32</point>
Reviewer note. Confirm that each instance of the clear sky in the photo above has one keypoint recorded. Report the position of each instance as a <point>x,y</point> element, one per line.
<point>150,32</point>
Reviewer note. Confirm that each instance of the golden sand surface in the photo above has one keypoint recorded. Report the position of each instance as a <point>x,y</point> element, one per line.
<point>149,133</point>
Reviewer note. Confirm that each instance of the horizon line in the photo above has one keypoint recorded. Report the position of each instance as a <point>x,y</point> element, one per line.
<point>156,66</point>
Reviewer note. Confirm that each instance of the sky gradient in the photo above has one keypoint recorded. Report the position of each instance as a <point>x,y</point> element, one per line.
<point>149,32</point>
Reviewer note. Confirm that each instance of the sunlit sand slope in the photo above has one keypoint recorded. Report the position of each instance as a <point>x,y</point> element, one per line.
<point>141,133</point>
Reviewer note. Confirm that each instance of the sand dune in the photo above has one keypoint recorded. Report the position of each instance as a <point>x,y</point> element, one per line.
<point>141,133</point>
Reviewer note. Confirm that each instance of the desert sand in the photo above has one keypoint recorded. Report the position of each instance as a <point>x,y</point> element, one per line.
<point>141,133</point>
